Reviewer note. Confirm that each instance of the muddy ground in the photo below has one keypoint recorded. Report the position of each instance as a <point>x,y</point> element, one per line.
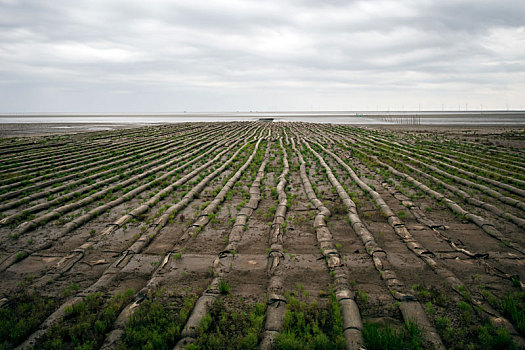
<point>461,272</point>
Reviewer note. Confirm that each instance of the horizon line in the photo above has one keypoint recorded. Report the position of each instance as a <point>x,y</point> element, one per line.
<point>206,113</point>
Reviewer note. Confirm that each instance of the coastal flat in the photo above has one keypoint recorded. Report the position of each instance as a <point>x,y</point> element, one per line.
<point>200,232</point>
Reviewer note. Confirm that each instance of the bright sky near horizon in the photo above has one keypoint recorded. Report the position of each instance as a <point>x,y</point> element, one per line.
<point>113,56</point>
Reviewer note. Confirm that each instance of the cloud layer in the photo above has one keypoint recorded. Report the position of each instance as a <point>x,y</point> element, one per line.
<point>162,56</point>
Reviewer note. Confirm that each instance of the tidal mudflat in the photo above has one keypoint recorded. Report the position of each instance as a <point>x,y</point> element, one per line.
<point>264,235</point>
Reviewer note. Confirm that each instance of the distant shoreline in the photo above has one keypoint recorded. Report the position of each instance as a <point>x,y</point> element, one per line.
<point>288,114</point>
<point>57,124</point>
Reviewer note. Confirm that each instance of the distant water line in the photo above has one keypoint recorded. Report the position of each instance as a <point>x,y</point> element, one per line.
<point>358,118</point>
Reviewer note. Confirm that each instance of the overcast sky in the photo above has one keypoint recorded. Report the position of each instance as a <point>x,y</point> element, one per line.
<point>168,56</point>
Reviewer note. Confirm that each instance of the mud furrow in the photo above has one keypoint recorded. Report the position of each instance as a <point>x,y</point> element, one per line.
<point>410,307</point>
<point>111,272</point>
<point>223,264</point>
<point>276,302</point>
<point>353,326</point>
<point>417,248</point>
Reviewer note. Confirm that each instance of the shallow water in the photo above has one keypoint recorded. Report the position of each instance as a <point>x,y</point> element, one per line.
<point>359,118</point>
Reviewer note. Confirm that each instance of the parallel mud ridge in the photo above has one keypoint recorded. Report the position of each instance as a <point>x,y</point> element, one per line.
<point>263,235</point>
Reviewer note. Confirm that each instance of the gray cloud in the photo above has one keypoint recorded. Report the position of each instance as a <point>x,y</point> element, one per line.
<point>137,56</point>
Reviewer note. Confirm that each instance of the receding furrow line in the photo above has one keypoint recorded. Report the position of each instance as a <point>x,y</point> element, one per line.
<point>78,152</point>
<point>470,184</point>
<point>145,169</point>
<point>152,150</point>
<point>70,226</point>
<point>69,157</point>
<point>211,293</point>
<point>416,247</point>
<point>493,182</point>
<point>103,164</point>
<point>133,145</point>
<point>143,208</point>
<point>410,307</point>
<point>92,177</point>
<point>467,198</point>
<point>472,161</point>
<point>286,140</point>
<point>353,326</point>
<point>495,162</point>
<point>35,175</point>
<point>438,228</point>
<point>223,264</point>
<point>32,224</point>
<point>67,262</point>
<point>276,302</point>
<point>110,273</point>
<point>485,225</point>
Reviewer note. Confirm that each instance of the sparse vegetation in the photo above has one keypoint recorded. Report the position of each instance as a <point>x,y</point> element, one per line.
<point>322,205</point>
<point>157,324</point>
<point>308,325</point>
<point>225,328</point>
<point>86,322</point>
<point>406,338</point>
<point>20,316</point>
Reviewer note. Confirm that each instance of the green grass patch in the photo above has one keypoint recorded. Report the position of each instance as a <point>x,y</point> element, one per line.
<point>307,325</point>
<point>157,324</point>
<point>512,306</point>
<point>379,338</point>
<point>21,316</point>
<point>86,323</point>
<point>224,287</point>
<point>230,328</point>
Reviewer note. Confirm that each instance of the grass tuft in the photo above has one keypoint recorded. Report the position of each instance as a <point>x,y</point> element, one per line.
<point>380,338</point>
<point>223,328</point>
<point>307,325</point>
